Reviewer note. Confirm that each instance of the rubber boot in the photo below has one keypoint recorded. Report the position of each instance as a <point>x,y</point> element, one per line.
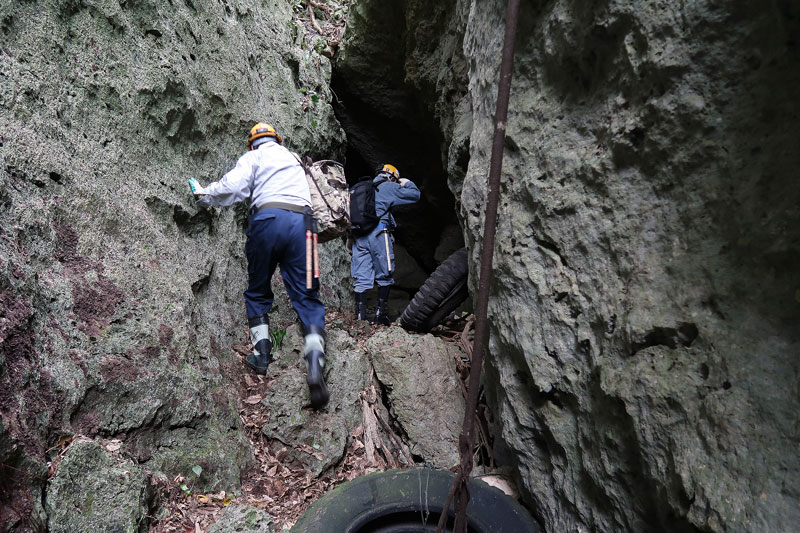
<point>261,357</point>
<point>382,309</point>
<point>315,361</point>
<point>361,306</point>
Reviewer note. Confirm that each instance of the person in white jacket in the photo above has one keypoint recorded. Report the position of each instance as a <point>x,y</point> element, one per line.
<point>274,181</point>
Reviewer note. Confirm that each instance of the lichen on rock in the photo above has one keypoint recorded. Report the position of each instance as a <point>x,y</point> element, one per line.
<point>425,398</point>
<point>94,492</point>
<point>121,298</point>
<point>641,363</point>
<point>242,519</point>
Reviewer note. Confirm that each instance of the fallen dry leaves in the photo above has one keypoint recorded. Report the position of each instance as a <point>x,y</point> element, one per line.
<point>274,484</point>
<point>285,490</point>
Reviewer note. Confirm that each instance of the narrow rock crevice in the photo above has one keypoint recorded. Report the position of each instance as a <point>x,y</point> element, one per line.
<point>392,116</point>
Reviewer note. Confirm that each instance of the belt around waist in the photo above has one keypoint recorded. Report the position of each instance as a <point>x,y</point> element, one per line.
<point>281,205</point>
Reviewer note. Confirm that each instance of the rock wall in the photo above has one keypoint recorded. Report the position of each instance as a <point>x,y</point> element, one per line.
<point>643,356</point>
<point>119,299</point>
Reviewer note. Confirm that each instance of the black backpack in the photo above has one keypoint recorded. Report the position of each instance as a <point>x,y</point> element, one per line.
<point>362,206</point>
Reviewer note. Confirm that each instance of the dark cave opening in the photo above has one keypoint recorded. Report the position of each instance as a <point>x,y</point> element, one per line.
<point>402,133</point>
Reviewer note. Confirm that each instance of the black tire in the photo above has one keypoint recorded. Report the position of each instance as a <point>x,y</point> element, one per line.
<point>398,500</point>
<point>440,295</point>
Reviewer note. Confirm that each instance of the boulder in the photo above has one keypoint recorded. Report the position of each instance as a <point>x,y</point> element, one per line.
<point>419,375</point>
<point>95,492</point>
<point>314,439</point>
<point>242,519</point>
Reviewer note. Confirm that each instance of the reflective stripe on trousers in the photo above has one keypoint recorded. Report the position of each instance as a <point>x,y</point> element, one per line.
<point>370,264</point>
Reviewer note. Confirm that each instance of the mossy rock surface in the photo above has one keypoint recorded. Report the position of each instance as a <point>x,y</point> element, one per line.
<point>242,519</point>
<point>425,398</point>
<point>120,299</point>
<point>642,360</point>
<point>95,492</point>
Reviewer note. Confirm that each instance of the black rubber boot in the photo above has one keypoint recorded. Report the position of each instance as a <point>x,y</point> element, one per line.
<point>382,309</point>
<point>260,359</point>
<point>315,360</point>
<point>361,306</point>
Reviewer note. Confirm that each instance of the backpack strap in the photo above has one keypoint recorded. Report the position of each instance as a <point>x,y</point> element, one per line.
<point>375,186</point>
<point>314,180</point>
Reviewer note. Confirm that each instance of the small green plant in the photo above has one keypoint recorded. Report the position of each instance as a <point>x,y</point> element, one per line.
<point>187,490</point>
<point>277,337</point>
<point>312,94</point>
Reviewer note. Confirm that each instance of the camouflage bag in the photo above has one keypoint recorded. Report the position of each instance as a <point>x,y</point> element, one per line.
<point>330,198</point>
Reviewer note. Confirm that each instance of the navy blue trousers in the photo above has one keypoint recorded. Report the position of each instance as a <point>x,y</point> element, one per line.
<point>276,237</point>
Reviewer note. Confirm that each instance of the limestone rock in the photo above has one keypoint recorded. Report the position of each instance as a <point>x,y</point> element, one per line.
<point>336,289</point>
<point>621,339</point>
<point>93,492</point>
<point>418,372</point>
<point>642,363</point>
<point>316,440</point>
<point>119,297</point>
<point>242,519</point>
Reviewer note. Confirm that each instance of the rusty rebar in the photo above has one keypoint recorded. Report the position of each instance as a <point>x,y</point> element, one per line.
<point>467,439</point>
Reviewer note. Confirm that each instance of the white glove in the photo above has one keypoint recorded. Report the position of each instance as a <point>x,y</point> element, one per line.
<point>403,182</point>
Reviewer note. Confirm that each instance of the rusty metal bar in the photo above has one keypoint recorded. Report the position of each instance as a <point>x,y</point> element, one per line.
<point>467,439</point>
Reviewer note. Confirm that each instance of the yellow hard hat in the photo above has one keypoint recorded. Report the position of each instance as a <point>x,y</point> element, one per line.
<point>262,130</point>
<point>391,169</point>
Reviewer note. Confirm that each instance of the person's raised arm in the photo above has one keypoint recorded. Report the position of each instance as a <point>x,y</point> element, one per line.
<point>231,188</point>
<point>407,192</point>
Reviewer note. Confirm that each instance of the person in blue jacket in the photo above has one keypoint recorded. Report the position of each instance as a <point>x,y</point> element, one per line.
<point>275,182</point>
<point>373,254</point>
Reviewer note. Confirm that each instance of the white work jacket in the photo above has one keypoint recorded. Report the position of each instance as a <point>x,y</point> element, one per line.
<point>270,173</point>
